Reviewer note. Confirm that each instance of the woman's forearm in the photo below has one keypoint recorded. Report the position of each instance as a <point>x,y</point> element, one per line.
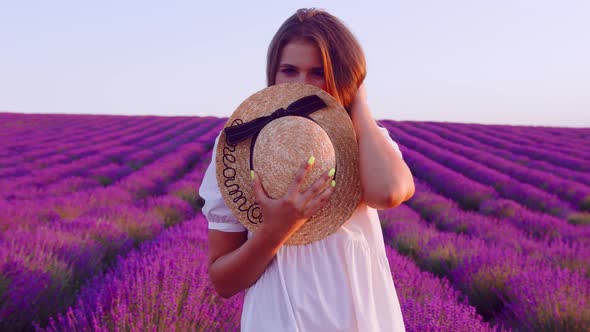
<point>239,269</point>
<point>385,178</point>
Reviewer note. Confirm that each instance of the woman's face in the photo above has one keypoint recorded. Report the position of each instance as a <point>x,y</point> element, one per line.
<point>301,62</point>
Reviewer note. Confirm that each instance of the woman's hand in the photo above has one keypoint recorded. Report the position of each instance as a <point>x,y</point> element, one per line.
<point>285,215</point>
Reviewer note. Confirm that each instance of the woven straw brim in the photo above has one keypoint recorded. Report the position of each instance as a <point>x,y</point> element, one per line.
<point>280,150</point>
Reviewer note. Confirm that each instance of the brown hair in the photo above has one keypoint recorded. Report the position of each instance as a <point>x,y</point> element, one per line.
<point>342,56</point>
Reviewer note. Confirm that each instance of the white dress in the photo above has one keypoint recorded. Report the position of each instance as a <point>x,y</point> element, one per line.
<point>340,283</point>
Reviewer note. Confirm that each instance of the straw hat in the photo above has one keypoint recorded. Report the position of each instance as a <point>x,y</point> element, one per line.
<point>264,135</point>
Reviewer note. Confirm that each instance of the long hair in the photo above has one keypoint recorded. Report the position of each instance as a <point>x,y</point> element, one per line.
<point>342,56</point>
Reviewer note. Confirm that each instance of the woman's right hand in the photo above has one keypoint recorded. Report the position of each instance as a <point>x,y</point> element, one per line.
<point>285,215</point>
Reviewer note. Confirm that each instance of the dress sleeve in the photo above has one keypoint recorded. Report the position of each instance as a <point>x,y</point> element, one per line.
<point>385,132</point>
<point>218,215</point>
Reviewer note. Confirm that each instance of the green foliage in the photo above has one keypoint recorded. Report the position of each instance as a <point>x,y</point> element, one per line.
<point>135,165</point>
<point>485,288</point>
<point>170,215</point>
<point>585,204</point>
<point>441,260</point>
<point>104,181</point>
<point>579,218</point>
<point>191,196</point>
<point>462,228</point>
<point>116,159</point>
<point>408,245</point>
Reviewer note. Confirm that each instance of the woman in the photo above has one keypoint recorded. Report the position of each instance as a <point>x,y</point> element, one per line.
<point>342,282</point>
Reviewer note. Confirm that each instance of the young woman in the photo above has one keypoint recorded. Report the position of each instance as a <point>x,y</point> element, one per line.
<point>342,282</point>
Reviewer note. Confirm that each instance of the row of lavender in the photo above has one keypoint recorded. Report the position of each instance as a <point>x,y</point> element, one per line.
<point>465,135</point>
<point>56,138</point>
<point>50,246</point>
<point>549,140</point>
<point>459,136</point>
<point>569,152</point>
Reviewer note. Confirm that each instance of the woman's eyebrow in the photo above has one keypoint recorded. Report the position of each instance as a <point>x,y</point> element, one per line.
<point>287,65</point>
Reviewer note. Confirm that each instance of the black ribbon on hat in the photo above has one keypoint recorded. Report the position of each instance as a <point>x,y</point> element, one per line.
<point>301,107</point>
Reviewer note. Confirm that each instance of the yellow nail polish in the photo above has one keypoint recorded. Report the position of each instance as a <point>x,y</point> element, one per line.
<point>333,183</point>
<point>332,171</point>
<point>252,174</point>
<point>311,160</point>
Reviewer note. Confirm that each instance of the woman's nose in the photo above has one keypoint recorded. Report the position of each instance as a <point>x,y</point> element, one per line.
<point>302,78</point>
<point>309,78</point>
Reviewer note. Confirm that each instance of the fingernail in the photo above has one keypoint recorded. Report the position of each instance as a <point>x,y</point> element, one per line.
<point>310,160</point>
<point>332,171</point>
<point>252,174</point>
<point>333,183</point>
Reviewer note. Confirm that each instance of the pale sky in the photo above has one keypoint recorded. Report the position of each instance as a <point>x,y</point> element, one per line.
<point>493,61</point>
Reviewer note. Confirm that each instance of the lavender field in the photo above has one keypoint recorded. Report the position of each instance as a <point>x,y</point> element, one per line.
<point>101,227</point>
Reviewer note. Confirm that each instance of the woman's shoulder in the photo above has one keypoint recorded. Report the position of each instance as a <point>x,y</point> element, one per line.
<point>218,214</point>
<point>393,143</point>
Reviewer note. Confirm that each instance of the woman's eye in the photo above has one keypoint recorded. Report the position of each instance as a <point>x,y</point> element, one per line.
<point>318,73</point>
<point>288,71</point>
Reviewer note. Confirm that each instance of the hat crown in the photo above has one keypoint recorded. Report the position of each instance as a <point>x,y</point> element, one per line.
<point>283,145</point>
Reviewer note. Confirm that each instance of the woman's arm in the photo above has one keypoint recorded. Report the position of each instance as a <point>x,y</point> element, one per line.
<point>386,180</point>
<point>235,263</point>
